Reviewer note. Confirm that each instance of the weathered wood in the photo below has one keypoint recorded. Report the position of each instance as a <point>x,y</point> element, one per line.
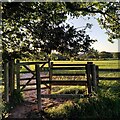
<point>64,96</point>
<point>94,78</point>
<point>72,64</point>
<point>68,74</point>
<point>12,77</point>
<point>18,74</point>
<point>109,78</point>
<point>6,81</point>
<point>29,69</point>
<point>22,79</point>
<point>29,89</point>
<point>26,72</point>
<point>50,76</point>
<point>68,68</point>
<point>27,84</point>
<point>43,65</point>
<point>88,72</point>
<point>109,70</point>
<point>44,77</point>
<point>65,82</point>
<point>97,74</point>
<point>33,63</point>
<point>38,85</point>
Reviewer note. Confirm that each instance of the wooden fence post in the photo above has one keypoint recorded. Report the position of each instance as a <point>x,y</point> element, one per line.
<point>97,74</point>
<point>88,72</point>
<point>18,74</point>
<point>11,74</point>
<point>38,85</point>
<point>6,81</point>
<point>94,78</point>
<point>50,76</point>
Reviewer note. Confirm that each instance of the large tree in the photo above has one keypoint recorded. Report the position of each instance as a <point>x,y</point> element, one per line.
<point>31,27</point>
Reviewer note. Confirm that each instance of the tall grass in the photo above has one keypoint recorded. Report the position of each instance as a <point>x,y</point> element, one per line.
<point>105,104</point>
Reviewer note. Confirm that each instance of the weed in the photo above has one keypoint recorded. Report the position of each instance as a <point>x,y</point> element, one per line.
<point>15,99</point>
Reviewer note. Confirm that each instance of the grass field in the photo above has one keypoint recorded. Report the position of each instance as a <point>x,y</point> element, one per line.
<point>106,64</point>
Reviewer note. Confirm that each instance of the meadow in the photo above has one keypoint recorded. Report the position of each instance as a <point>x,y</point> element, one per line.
<point>102,64</point>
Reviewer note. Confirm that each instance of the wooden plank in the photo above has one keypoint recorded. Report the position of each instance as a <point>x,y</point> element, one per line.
<point>94,78</point>
<point>33,63</point>
<point>12,77</point>
<point>43,65</point>
<point>88,72</point>
<point>18,74</point>
<point>50,76</point>
<point>29,89</point>
<point>65,82</point>
<point>29,69</point>
<point>44,77</point>
<point>22,79</point>
<point>68,64</point>
<point>6,79</point>
<point>26,72</point>
<point>64,96</point>
<point>109,70</point>
<point>38,85</point>
<point>109,78</point>
<point>68,74</point>
<point>27,82</point>
<point>68,68</point>
<point>97,72</point>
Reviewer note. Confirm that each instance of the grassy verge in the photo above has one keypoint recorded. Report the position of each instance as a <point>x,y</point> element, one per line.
<point>105,104</point>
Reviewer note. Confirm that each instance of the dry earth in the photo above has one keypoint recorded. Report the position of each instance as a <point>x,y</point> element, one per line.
<point>30,103</point>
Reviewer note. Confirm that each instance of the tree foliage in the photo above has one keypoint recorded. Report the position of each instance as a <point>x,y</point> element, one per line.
<point>105,54</point>
<point>108,15</point>
<point>32,27</point>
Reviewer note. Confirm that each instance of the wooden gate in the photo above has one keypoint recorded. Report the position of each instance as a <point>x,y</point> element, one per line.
<point>26,74</point>
<point>90,73</point>
<point>41,76</point>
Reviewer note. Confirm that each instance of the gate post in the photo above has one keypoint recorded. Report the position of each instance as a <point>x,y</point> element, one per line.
<point>18,74</point>
<point>6,81</point>
<point>97,74</point>
<point>38,85</point>
<point>11,74</point>
<point>50,75</point>
<point>94,78</point>
<point>88,72</point>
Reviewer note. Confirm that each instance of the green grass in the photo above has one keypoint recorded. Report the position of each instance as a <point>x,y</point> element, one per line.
<point>104,104</point>
<point>69,90</point>
<point>106,64</point>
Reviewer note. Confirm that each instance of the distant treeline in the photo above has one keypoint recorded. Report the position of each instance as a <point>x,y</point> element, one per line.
<point>91,55</point>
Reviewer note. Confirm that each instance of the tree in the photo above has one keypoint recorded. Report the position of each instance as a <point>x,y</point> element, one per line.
<point>116,55</point>
<point>108,12</point>
<point>30,27</point>
<point>105,54</point>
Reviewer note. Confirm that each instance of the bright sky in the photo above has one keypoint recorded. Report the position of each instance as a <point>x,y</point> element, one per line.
<point>96,32</point>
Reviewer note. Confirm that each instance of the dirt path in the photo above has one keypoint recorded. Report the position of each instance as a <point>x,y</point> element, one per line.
<point>30,105</point>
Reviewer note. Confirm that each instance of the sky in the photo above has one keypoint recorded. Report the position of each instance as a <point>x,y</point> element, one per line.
<point>95,32</point>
